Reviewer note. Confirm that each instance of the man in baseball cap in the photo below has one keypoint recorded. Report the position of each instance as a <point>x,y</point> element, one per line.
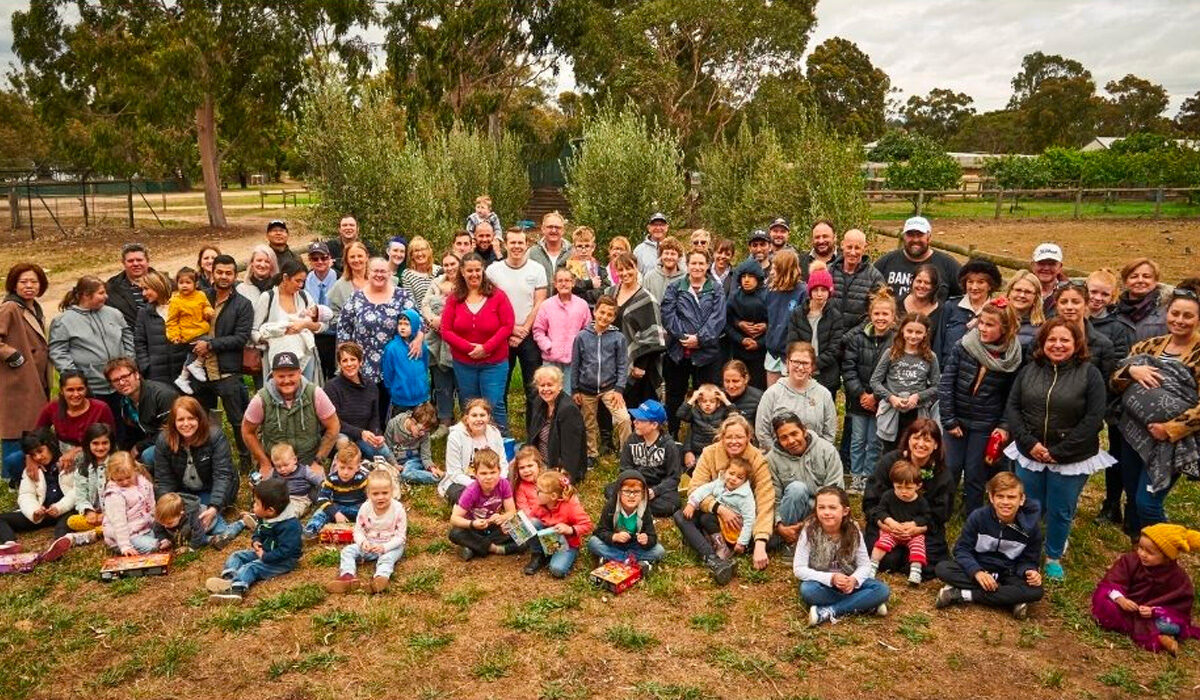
<point>759,245</point>
<point>899,266</point>
<point>290,409</point>
<point>779,230</point>
<point>318,285</point>
<point>646,252</point>
<point>277,238</point>
<point>1047,264</point>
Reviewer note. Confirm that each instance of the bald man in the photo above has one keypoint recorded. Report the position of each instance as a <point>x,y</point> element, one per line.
<point>855,279</point>
<point>824,248</point>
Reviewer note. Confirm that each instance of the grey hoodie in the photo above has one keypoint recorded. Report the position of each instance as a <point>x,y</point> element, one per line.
<point>655,281</point>
<point>814,406</point>
<point>819,465</point>
<point>86,339</point>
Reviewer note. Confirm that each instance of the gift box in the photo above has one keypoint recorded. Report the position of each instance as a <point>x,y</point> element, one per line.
<point>156,564</point>
<point>20,563</point>
<point>616,576</point>
<point>337,533</point>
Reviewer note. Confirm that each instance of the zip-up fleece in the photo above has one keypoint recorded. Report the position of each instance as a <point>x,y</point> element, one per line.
<point>986,544</point>
<point>86,339</point>
<point>600,360</point>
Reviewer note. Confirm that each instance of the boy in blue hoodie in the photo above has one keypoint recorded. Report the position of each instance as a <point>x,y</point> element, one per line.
<point>598,374</point>
<point>995,560</point>
<point>276,545</point>
<point>406,378</point>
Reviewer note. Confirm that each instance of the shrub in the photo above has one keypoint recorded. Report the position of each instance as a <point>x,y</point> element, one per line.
<point>624,169</point>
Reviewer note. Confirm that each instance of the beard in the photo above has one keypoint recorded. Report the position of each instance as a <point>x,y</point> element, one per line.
<point>916,249</point>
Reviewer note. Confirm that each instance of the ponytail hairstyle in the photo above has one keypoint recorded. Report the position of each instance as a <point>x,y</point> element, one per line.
<point>848,533</point>
<point>924,350</point>
<point>94,432</point>
<point>882,295</point>
<point>85,287</point>
<point>1004,313</point>
<point>556,482</point>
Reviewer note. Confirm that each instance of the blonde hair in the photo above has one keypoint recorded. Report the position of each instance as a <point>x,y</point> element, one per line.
<point>707,391</point>
<point>484,199</point>
<point>1105,276</point>
<point>121,465</point>
<point>346,454</point>
<point>621,241</point>
<point>882,296</point>
<point>735,420</point>
<point>419,243</point>
<point>168,506</point>
<point>281,450</point>
<point>550,372</point>
<point>557,483</point>
<point>1037,316</point>
<point>785,271</point>
<point>381,477</point>
<point>473,403</point>
<point>266,251</point>
<point>583,233</point>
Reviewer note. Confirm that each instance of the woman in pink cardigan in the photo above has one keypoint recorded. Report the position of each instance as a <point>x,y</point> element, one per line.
<point>559,319</point>
<point>476,324</point>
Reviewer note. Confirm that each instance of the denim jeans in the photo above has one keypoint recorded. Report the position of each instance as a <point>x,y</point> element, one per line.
<point>796,503</point>
<point>486,382</point>
<point>325,515</point>
<point>384,563</point>
<point>864,445</point>
<point>562,560</point>
<point>413,471</point>
<point>14,462</point>
<point>870,595</point>
<point>964,459</point>
<point>369,451</point>
<point>618,552</point>
<point>144,543</point>
<point>443,392</point>
<point>219,524</point>
<point>146,456</point>
<point>566,370</point>
<point>245,569</point>
<point>1059,496</point>
<point>1143,507</point>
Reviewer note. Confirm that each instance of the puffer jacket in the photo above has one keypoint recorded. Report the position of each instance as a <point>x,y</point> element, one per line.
<point>1119,331</point>
<point>702,315</point>
<point>1102,353</point>
<point>956,315</point>
<point>967,401</point>
<point>214,465</point>
<point>861,349</point>
<point>157,357</point>
<point>750,307</point>
<point>86,339</point>
<point>746,403</point>
<point>1059,405</point>
<point>852,290</point>
<point>829,334</point>
<point>600,361</point>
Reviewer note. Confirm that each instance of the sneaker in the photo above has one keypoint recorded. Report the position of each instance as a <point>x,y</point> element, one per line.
<point>196,369</point>
<point>817,615</point>
<point>346,583</point>
<point>227,598</point>
<point>309,534</point>
<point>184,385</point>
<point>10,547</point>
<point>56,549</point>
<point>947,596</point>
<point>218,584</point>
<point>881,611</point>
<point>82,538</point>
<point>379,584</point>
<point>646,568</point>
<point>219,542</point>
<point>466,553</point>
<point>1020,611</point>
<point>1054,570</point>
<point>249,521</point>
<point>721,570</point>
<point>914,575</point>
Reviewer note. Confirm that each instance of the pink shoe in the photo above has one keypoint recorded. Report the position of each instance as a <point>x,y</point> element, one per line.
<point>57,548</point>
<point>10,548</point>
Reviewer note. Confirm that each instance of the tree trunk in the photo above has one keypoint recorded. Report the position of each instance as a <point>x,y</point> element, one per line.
<point>206,135</point>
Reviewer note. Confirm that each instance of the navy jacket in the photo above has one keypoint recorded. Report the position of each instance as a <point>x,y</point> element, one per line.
<point>280,541</point>
<point>986,544</point>
<point>157,358</point>
<point>702,315</point>
<point>751,307</point>
<point>965,405</point>
<point>357,405</point>
<point>954,326</point>
<point>861,349</point>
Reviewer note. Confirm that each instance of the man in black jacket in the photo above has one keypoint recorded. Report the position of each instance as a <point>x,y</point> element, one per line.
<point>124,291</point>
<point>145,405</point>
<point>230,333</point>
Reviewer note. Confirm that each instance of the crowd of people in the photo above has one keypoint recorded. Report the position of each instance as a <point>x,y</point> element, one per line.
<point>713,382</point>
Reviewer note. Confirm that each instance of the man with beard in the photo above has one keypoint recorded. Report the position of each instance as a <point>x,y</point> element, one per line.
<point>759,246</point>
<point>486,243</point>
<point>124,288</point>
<point>854,279</point>
<point>824,247</point>
<point>1047,264</point>
<point>347,234</point>
<point>899,266</point>
<point>780,231</point>
<point>230,333</point>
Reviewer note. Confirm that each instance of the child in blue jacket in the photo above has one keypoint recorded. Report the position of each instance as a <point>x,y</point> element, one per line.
<point>406,378</point>
<point>276,545</point>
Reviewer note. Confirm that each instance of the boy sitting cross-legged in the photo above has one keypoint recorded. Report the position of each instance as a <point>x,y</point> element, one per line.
<point>342,493</point>
<point>275,545</point>
<point>626,525</point>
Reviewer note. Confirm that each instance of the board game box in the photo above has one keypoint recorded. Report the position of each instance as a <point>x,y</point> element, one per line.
<point>20,563</point>
<point>156,564</point>
<point>616,576</point>
<point>337,533</point>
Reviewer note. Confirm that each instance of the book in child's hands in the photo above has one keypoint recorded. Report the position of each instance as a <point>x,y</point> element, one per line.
<point>155,564</point>
<point>551,540</point>
<point>337,533</point>
<point>520,527</point>
<point>19,563</point>
<point>616,576</point>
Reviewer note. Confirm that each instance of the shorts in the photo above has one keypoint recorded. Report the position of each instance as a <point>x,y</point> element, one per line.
<point>773,364</point>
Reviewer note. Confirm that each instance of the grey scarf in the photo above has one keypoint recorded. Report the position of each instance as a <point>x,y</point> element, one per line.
<point>994,358</point>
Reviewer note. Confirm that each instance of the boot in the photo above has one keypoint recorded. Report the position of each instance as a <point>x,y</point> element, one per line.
<point>720,546</point>
<point>721,570</point>
<point>536,562</point>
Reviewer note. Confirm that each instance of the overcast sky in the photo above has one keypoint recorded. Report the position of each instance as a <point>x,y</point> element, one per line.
<point>976,46</point>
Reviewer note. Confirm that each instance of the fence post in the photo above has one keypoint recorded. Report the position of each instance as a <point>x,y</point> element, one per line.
<point>1158,200</point>
<point>999,202</point>
<point>29,203</point>
<point>14,207</point>
<point>920,200</point>
<point>83,186</point>
<point>1078,201</point>
<point>129,200</point>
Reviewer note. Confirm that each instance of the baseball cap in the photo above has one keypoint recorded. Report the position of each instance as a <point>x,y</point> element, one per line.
<point>318,248</point>
<point>779,221</point>
<point>658,216</point>
<point>758,235</point>
<point>650,410</point>
<point>287,360</point>
<point>917,223</point>
<point>1048,251</point>
<point>276,223</point>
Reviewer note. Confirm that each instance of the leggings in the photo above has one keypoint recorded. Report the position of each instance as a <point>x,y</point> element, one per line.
<point>15,521</point>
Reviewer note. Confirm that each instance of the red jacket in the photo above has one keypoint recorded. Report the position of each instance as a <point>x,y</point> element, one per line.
<point>490,327</point>
<point>569,512</point>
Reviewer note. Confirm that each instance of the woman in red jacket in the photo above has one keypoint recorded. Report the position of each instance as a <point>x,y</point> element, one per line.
<point>476,323</point>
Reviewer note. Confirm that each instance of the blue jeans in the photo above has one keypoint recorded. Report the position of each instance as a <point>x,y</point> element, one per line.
<point>1144,508</point>
<point>325,515</point>
<point>385,563</point>
<point>618,552</point>
<point>245,569</point>
<point>144,543</point>
<point>870,595</point>
<point>14,461</point>
<point>414,472</point>
<point>486,382</point>
<point>1059,496</point>
<point>443,392</point>
<point>964,459</point>
<point>219,525</point>
<point>562,560</point>
<point>369,451</point>
<point>796,503</point>
<point>146,456</point>
<point>864,445</point>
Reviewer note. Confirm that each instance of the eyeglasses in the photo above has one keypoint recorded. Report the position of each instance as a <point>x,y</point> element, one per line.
<point>628,492</point>
<point>121,379</point>
<point>800,363</point>
<point>1070,284</point>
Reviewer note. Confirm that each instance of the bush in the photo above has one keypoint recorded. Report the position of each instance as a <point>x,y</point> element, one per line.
<point>805,175</point>
<point>624,169</point>
<point>925,169</point>
<point>463,164</point>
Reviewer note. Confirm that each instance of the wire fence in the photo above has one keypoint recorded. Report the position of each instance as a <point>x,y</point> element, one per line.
<point>1073,202</point>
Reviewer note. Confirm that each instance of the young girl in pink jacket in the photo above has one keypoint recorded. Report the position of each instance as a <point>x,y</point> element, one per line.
<point>559,319</point>
<point>128,508</point>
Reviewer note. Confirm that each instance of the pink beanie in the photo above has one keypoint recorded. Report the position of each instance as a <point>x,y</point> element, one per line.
<point>820,278</point>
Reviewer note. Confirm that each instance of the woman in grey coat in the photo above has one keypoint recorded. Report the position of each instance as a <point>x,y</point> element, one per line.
<point>87,335</point>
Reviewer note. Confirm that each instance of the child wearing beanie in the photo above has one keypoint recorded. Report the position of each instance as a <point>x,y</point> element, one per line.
<point>1147,594</point>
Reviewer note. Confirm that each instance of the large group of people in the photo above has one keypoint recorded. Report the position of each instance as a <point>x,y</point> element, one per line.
<point>714,382</point>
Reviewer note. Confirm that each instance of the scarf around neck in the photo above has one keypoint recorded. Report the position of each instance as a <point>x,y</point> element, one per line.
<point>1136,310</point>
<point>994,357</point>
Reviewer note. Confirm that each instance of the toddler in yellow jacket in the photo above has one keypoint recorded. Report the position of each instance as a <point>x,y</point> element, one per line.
<point>188,315</point>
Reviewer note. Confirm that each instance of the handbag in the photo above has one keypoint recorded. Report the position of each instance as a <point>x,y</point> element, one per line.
<point>252,360</point>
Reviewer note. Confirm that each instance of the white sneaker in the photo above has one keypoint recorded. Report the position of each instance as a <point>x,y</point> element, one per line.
<point>82,538</point>
<point>881,611</point>
<point>184,385</point>
<point>196,369</point>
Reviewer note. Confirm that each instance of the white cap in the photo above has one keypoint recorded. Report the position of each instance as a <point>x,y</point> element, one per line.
<point>917,223</point>
<point>1048,251</point>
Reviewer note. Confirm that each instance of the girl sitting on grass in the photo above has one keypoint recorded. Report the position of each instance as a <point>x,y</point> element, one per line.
<point>560,509</point>
<point>91,476</point>
<point>128,508</point>
<point>528,465</point>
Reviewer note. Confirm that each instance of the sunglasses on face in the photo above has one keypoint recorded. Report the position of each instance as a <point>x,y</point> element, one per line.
<point>1179,293</point>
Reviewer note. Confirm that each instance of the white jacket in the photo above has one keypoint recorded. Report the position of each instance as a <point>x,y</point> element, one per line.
<point>32,493</point>
<point>460,452</point>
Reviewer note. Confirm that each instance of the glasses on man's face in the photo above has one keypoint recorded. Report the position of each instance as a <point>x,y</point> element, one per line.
<point>628,492</point>
<point>122,378</point>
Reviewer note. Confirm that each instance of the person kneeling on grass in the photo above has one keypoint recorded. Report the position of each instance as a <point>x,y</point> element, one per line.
<point>342,493</point>
<point>276,545</point>
<point>483,506</point>
<point>832,563</point>
<point>995,560</point>
<point>626,527</point>
<point>380,532</point>
<point>1146,594</point>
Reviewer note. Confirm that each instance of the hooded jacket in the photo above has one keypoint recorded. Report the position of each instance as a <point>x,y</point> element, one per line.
<point>986,544</point>
<point>819,465</point>
<point>852,290</point>
<point>406,378</point>
<point>861,350</point>
<point>746,306</point>
<point>814,406</point>
<point>828,333</point>
<point>608,523</point>
<point>659,462</point>
<point>86,339</point>
<point>701,314</point>
<point>657,280</point>
<point>780,306</point>
<point>1059,405</point>
<point>128,512</point>
<point>599,361</point>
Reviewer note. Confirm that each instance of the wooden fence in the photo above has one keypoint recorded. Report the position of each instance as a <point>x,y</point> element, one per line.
<point>920,197</point>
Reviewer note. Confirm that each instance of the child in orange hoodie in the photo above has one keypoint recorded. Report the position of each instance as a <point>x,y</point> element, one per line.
<point>558,508</point>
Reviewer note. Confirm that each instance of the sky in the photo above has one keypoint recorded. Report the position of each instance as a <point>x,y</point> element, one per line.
<point>976,46</point>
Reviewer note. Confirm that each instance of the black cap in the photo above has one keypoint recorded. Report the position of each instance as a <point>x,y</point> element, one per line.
<point>285,360</point>
<point>318,248</point>
<point>780,221</point>
<point>276,223</point>
<point>758,235</point>
<point>658,216</point>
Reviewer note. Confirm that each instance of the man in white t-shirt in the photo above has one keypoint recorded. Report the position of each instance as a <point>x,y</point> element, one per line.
<point>524,281</point>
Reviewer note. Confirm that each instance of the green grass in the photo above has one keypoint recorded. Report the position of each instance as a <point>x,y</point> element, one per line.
<point>808,651</point>
<point>627,638</point>
<point>1092,208</point>
<point>543,616</point>
<point>915,628</point>
<point>464,596</point>
<point>1169,682</point>
<point>424,580</point>
<point>493,665</point>
<point>1052,678</point>
<point>661,691</point>
<point>1121,677</point>
<point>710,622</point>
<point>428,642</point>
<point>325,557</point>
<point>745,663</point>
<point>291,601</point>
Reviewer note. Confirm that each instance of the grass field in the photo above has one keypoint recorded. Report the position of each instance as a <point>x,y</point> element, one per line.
<point>1039,208</point>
